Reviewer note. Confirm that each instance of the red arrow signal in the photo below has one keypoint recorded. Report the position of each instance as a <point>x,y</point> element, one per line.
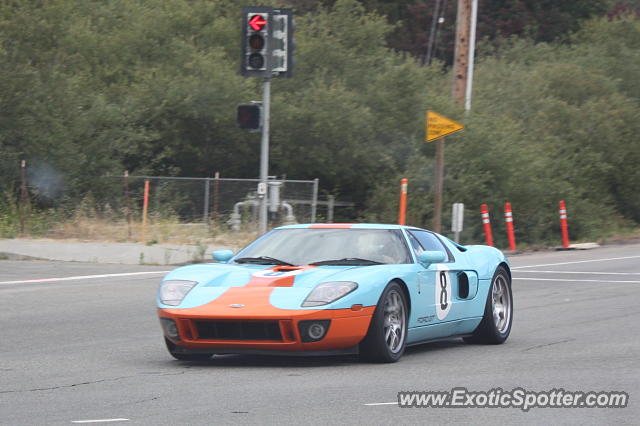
<point>257,22</point>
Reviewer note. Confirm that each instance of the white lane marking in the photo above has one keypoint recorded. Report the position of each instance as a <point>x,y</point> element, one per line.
<point>100,421</point>
<point>586,273</point>
<point>577,261</point>
<point>575,281</point>
<point>83,277</point>
<point>383,403</point>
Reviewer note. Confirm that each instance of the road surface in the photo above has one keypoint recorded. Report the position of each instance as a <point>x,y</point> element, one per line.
<point>89,348</point>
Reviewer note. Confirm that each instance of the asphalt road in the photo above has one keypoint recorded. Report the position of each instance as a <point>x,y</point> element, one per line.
<point>91,349</point>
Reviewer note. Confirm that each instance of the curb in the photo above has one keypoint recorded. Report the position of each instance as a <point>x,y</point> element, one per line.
<point>14,256</point>
<point>579,246</point>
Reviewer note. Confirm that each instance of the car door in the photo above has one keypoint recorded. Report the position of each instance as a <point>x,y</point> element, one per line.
<point>446,288</point>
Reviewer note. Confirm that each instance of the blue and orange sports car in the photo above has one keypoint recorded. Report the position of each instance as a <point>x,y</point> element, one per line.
<point>337,289</point>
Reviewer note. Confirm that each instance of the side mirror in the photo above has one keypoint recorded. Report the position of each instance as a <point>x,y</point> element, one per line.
<point>222,256</point>
<point>429,257</point>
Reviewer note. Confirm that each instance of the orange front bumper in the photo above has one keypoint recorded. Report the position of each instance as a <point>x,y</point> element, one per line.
<point>347,328</point>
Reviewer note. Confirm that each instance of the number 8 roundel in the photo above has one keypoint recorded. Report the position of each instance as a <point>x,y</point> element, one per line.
<point>442,292</point>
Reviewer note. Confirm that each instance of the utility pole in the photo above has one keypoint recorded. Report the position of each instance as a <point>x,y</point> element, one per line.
<point>432,34</point>
<point>461,53</point>
<point>473,23</point>
<point>460,80</point>
<point>439,184</point>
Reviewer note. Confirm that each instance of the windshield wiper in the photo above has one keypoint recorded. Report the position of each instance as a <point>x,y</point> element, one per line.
<point>347,261</point>
<point>263,260</point>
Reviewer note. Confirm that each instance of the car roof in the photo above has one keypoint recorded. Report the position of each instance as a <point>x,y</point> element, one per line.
<point>346,226</point>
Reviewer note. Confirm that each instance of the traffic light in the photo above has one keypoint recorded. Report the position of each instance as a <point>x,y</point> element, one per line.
<point>254,61</point>
<point>281,43</point>
<point>267,42</point>
<point>249,116</point>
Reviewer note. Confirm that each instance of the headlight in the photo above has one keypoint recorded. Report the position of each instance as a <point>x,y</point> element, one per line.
<point>326,293</point>
<point>173,291</point>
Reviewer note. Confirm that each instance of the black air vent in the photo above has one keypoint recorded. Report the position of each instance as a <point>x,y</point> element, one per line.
<point>463,285</point>
<point>238,330</point>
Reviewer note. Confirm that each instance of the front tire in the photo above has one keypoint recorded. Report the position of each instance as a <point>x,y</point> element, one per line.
<point>387,336</point>
<point>498,312</point>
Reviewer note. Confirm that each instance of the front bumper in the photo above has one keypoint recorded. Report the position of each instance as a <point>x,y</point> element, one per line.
<point>278,331</point>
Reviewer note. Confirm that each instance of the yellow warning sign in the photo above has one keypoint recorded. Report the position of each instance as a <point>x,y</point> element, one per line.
<point>437,126</point>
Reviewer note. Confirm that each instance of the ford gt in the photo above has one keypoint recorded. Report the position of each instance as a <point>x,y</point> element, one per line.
<point>320,289</point>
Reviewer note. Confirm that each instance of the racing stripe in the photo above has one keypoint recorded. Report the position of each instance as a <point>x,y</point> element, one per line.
<point>333,225</point>
<point>277,276</point>
<point>253,296</point>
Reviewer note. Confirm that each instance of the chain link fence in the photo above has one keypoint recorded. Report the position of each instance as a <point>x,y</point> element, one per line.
<point>159,208</point>
<point>229,201</point>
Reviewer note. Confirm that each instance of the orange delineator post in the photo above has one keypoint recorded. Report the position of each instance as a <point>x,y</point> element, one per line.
<point>402,214</point>
<point>564,227</point>
<point>484,210</point>
<point>508,218</point>
<point>145,203</point>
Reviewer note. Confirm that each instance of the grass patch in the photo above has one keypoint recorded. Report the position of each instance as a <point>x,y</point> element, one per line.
<point>164,231</point>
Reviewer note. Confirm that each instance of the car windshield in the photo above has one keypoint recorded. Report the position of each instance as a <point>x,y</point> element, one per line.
<point>305,246</point>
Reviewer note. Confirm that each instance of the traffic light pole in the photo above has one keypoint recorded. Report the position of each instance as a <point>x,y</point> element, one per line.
<point>267,49</point>
<point>264,154</point>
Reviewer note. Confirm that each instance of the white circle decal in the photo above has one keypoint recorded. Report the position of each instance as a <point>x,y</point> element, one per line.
<point>270,273</point>
<point>442,292</point>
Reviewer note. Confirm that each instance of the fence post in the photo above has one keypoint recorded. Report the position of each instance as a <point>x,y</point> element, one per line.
<point>127,201</point>
<point>216,193</point>
<point>402,214</point>
<point>314,201</point>
<point>484,210</point>
<point>205,214</point>
<point>25,206</point>
<point>508,218</point>
<point>145,207</point>
<point>330,204</point>
<point>564,227</point>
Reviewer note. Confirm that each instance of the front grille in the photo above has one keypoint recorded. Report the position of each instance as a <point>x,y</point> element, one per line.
<point>238,330</point>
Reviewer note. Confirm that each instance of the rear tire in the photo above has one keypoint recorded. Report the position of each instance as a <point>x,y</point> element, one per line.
<point>387,336</point>
<point>181,356</point>
<point>498,312</point>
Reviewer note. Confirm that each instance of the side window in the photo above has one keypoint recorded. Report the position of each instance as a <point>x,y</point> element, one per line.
<point>428,242</point>
<point>415,245</point>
